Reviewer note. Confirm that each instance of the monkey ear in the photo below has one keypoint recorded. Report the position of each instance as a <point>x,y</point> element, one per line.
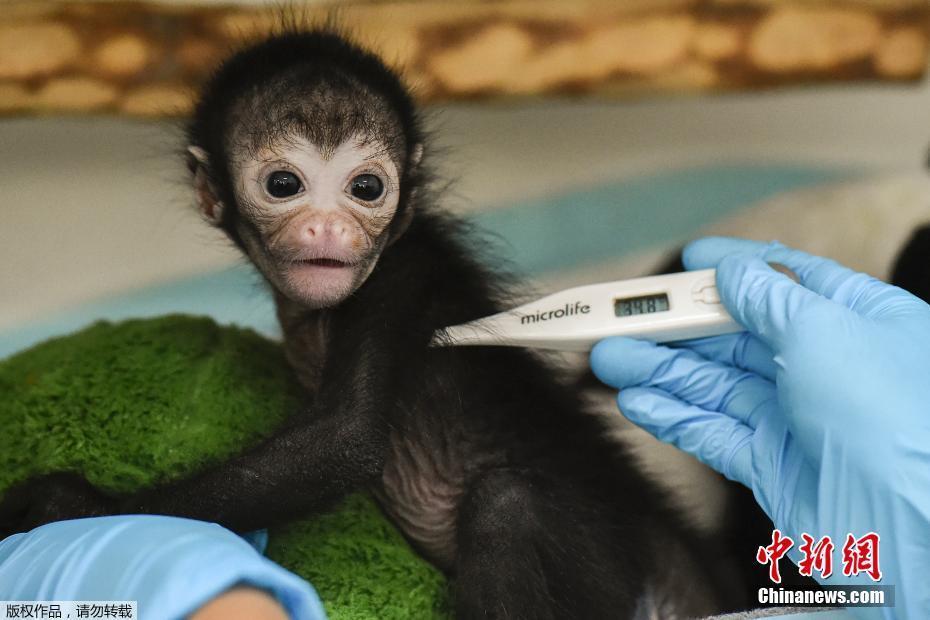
<point>210,205</point>
<point>402,220</point>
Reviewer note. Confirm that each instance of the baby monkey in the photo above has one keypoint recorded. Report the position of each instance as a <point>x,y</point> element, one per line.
<point>308,152</point>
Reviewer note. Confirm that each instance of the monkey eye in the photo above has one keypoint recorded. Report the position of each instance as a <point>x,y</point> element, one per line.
<point>283,184</point>
<point>367,187</point>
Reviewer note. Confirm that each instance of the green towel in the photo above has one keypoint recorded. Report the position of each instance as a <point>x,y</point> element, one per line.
<point>131,403</point>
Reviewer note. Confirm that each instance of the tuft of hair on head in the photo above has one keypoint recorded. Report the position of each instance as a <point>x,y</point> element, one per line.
<point>310,81</point>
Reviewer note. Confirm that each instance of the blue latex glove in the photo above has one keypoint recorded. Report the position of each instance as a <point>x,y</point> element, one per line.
<point>170,566</point>
<point>822,408</point>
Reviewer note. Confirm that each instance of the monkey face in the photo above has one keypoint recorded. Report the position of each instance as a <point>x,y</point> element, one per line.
<point>297,148</point>
<point>315,220</point>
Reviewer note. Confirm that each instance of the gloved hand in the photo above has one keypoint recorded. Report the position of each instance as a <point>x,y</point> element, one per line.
<point>822,407</point>
<point>170,566</point>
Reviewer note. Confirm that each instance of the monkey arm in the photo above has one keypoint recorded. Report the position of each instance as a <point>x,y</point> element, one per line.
<point>317,458</point>
<point>299,469</point>
<point>314,460</point>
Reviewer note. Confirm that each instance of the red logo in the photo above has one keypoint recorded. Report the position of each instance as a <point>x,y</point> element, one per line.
<point>773,553</point>
<point>860,555</point>
<point>817,556</point>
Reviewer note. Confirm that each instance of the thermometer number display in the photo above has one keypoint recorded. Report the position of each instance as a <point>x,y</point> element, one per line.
<point>646,304</point>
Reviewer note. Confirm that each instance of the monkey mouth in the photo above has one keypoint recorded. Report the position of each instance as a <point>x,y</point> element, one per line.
<point>320,282</point>
<point>331,263</point>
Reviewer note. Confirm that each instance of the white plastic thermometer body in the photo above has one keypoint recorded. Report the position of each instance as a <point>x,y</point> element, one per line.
<point>660,308</point>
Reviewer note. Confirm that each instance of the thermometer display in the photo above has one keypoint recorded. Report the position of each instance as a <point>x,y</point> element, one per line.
<point>645,304</point>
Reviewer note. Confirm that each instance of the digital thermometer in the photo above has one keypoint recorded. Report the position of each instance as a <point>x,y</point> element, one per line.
<point>661,308</point>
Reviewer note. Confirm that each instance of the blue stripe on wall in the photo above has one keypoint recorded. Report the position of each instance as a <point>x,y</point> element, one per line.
<point>559,232</point>
<point>611,221</point>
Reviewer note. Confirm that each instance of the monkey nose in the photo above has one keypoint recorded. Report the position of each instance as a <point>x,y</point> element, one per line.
<point>314,229</point>
<point>319,230</point>
<point>338,229</point>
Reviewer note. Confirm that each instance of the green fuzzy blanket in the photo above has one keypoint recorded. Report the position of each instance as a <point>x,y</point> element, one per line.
<point>140,401</point>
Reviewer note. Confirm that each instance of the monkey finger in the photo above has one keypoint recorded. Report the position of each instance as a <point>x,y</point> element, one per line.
<point>715,439</point>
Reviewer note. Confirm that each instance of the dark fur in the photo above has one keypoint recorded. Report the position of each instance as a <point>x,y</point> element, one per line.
<point>912,266</point>
<point>484,457</point>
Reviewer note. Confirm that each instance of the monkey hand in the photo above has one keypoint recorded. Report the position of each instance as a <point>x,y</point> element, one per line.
<point>51,497</point>
<point>820,407</point>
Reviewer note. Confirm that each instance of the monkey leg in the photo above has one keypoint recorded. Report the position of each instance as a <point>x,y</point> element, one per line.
<point>532,547</point>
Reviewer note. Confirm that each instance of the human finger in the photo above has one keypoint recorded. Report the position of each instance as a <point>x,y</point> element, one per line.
<point>742,350</point>
<point>624,363</point>
<point>715,439</point>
